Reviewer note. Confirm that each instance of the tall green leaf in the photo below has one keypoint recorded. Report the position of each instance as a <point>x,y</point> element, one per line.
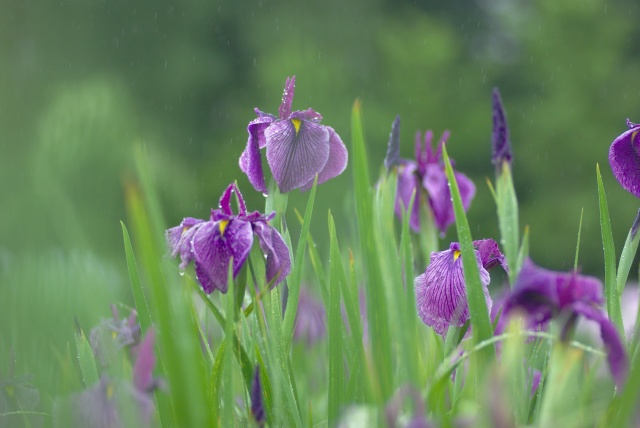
<point>610,284</point>
<point>475,295</point>
<point>377,311</point>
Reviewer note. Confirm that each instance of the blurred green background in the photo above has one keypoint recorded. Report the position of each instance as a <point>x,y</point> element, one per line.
<point>82,83</point>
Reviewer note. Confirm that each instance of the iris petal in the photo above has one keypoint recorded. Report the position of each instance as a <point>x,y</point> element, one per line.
<point>441,294</point>
<point>625,161</point>
<point>336,163</point>
<point>296,157</point>
<point>251,160</point>
<point>212,251</point>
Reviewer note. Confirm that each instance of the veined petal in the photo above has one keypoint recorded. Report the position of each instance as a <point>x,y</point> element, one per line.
<point>179,239</point>
<point>407,185</point>
<point>616,355</point>
<point>251,160</point>
<point>278,262</point>
<point>287,97</point>
<point>441,294</point>
<point>624,159</point>
<point>213,246</point>
<point>336,163</point>
<point>296,151</point>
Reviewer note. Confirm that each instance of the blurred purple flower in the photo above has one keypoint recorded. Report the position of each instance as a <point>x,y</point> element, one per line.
<point>311,319</point>
<point>441,295</point>
<point>257,401</point>
<point>211,244</point>
<point>426,177</point>
<point>115,403</point>
<point>543,294</point>
<point>113,334</point>
<point>624,158</point>
<point>298,147</point>
<point>500,143</point>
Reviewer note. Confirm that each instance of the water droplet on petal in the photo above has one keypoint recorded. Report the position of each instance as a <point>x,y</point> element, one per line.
<point>181,273</point>
<point>265,195</point>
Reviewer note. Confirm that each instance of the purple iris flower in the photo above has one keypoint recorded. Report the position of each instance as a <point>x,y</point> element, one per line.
<point>425,173</point>
<point>211,244</point>
<point>115,403</point>
<point>543,294</point>
<point>441,295</point>
<point>113,334</point>
<point>298,147</point>
<point>624,157</point>
<point>500,143</point>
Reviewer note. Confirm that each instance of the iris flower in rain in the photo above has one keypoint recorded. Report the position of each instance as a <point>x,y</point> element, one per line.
<point>213,243</point>
<point>624,158</point>
<point>543,294</point>
<point>441,294</point>
<point>426,178</point>
<point>298,147</point>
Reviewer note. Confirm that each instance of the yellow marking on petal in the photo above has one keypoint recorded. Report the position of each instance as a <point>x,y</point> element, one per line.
<point>109,391</point>
<point>456,254</point>
<point>222,224</point>
<point>634,134</point>
<point>296,125</point>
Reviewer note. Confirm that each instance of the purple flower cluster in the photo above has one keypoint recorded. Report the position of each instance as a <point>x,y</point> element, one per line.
<point>212,244</point>
<point>425,177</point>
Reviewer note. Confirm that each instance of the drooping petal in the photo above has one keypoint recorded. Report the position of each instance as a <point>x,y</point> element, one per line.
<point>535,292</point>
<point>616,355</point>
<point>251,160</point>
<point>490,254</point>
<point>336,163</point>
<point>500,143</point>
<point>287,97</point>
<point>573,287</point>
<point>393,148</point>
<point>179,239</point>
<point>440,291</point>
<point>408,185</point>
<point>213,246</point>
<point>436,183</point>
<point>296,151</point>
<point>145,363</point>
<point>624,159</point>
<point>467,189</point>
<point>278,260</point>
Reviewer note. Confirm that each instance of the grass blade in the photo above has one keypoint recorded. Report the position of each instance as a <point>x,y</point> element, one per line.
<point>86,361</point>
<point>377,311</point>
<point>627,255</point>
<point>478,311</point>
<point>610,284</point>
<point>336,371</point>
<point>144,316</point>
